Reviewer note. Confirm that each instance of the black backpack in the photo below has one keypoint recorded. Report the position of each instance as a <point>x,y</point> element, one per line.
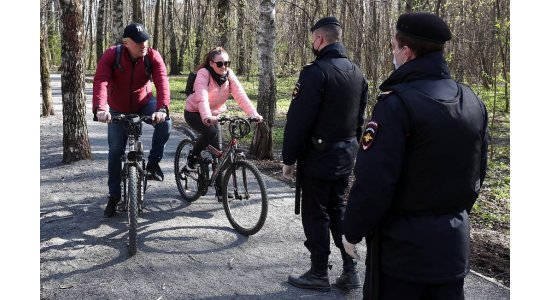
<point>146,61</point>
<point>190,82</point>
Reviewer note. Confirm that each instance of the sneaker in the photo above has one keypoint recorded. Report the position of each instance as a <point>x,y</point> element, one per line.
<point>187,169</point>
<point>155,173</point>
<point>219,195</point>
<point>110,210</point>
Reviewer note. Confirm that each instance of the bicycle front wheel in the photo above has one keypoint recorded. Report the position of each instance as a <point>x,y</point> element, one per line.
<point>247,210</point>
<point>188,184</point>
<point>132,209</point>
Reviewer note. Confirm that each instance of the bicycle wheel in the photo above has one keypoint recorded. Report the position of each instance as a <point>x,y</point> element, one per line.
<point>188,184</point>
<point>132,209</point>
<point>247,210</point>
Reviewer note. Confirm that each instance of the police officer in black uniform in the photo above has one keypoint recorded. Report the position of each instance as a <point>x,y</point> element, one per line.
<point>419,169</point>
<point>324,123</point>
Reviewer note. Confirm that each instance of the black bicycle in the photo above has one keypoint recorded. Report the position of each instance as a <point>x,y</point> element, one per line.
<point>243,190</point>
<point>133,174</point>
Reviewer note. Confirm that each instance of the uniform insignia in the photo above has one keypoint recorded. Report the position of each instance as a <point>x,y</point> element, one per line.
<point>296,91</point>
<point>369,135</point>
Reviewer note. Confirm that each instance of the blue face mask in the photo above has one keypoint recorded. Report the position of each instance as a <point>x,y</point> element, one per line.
<point>395,60</point>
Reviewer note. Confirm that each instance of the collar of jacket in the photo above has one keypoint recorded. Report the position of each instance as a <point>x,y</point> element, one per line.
<point>333,50</point>
<point>431,66</point>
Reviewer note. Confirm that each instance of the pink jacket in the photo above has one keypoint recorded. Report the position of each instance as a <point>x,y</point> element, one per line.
<point>209,98</point>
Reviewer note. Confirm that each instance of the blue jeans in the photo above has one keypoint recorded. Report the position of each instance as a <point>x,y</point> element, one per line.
<point>118,136</point>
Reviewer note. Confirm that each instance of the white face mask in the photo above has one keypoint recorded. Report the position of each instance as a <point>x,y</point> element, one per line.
<point>395,60</point>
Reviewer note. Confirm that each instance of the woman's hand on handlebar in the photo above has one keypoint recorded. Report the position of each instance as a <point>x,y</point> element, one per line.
<point>212,120</point>
<point>257,119</point>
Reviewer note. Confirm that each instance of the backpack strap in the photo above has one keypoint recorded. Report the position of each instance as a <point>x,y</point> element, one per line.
<point>146,61</point>
<point>148,67</point>
<point>117,64</point>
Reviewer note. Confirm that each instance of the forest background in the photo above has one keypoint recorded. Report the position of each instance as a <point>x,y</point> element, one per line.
<point>269,42</point>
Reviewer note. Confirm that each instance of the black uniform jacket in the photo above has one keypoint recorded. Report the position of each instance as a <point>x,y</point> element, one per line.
<point>419,168</point>
<point>325,118</point>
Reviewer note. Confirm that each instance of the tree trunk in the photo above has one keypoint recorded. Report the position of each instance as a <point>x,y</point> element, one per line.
<point>47,106</point>
<point>174,65</point>
<point>156,26</point>
<point>185,30</point>
<point>199,40</point>
<point>223,19</point>
<point>137,15</point>
<point>99,30</point>
<point>262,143</point>
<point>76,145</point>
<point>241,52</point>
<point>118,19</point>
<point>90,34</point>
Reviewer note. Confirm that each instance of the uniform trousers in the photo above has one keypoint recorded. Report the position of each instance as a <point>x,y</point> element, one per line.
<point>322,213</point>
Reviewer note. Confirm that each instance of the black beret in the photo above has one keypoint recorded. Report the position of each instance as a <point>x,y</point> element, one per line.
<point>325,21</point>
<point>424,26</point>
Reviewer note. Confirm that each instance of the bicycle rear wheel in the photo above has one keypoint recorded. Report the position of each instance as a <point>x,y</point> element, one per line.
<point>132,209</point>
<point>188,184</point>
<point>247,210</point>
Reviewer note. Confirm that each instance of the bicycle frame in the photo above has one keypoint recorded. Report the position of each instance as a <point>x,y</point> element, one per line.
<point>225,157</point>
<point>134,156</point>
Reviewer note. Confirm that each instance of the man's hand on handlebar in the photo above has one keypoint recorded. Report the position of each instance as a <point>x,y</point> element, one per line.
<point>103,116</point>
<point>158,117</point>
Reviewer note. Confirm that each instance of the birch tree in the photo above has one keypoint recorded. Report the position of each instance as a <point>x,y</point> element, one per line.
<point>76,145</point>
<point>262,143</point>
<point>47,106</point>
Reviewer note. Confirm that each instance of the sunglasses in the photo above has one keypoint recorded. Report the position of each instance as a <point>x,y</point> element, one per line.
<point>219,64</point>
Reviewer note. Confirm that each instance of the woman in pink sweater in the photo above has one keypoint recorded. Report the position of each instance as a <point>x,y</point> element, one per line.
<point>214,82</point>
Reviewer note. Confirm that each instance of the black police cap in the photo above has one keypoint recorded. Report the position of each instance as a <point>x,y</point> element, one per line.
<point>424,26</point>
<point>325,21</point>
<point>136,32</point>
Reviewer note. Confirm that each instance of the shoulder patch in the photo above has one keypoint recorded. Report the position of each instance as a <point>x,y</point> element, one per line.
<point>296,90</point>
<point>369,135</point>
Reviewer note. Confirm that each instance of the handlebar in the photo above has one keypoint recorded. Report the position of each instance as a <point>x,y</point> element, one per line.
<point>131,118</point>
<point>238,127</point>
<point>223,119</point>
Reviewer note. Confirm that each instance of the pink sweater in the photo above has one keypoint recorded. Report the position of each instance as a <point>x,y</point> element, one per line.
<point>209,98</point>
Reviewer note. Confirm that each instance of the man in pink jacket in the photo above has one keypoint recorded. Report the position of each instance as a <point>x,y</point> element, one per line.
<point>126,88</point>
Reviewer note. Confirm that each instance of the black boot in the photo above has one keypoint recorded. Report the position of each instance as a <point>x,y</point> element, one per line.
<point>110,210</point>
<point>315,278</point>
<point>350,276</point>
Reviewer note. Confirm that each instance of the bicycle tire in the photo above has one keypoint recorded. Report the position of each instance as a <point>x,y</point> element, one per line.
<point>247,210</point>
<point>132,209</point>
<point>188,186</point>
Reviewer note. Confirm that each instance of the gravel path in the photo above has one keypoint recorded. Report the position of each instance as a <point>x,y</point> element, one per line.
<point>185,251</point>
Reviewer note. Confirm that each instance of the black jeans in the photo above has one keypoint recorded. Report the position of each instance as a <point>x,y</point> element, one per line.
<point>209,135</point>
